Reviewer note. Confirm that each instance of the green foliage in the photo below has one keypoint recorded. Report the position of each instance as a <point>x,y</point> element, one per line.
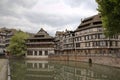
<point>110,15</point>
<point>17,45</point>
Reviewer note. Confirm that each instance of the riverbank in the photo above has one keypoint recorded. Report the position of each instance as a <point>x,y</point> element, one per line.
<point>3,69</point>
<point>103,60</point>
<point>98,59</point>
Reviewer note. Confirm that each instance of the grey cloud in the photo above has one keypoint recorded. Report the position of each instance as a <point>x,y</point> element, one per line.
<point>24,3</point>
<point>74,3</point>
<point>91,4</point>
<point>50,19</point>
<point>14,7</point>
<point>12,13</point>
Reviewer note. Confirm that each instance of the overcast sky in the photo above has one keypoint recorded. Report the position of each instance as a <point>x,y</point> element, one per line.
<point>52,15</point>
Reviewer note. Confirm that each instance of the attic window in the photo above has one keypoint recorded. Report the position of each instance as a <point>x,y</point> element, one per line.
<point>98,22</point>
<point>87,20</point>
<point>39,35</point>
<point>84,25</point>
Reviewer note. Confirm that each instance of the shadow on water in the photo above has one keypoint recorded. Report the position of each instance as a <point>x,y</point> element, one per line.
<point>61,70</point>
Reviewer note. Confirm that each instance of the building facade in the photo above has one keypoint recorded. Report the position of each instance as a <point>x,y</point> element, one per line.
<point>64,42</point>
<point>90,38</point>
<point>2,42</point>
<point>5,36</point>
<point>68,42</point>
<point>59,42</point>
<point>40,45</point>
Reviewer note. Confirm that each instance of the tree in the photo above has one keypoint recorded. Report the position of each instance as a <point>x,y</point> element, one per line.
<point>110,15</point>
<point>17,45</point>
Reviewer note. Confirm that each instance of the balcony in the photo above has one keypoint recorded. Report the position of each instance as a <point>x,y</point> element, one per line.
<point>89,33</point>
<point>40,43</point>
<point>98,47</point>
<point>93,40</point>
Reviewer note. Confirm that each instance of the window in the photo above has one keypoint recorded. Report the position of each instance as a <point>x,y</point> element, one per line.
<point>96,23</point>
<point>85,25</point>
<point>111,43</point>
<point>102,43</point>
<point>87,44</point>
<point>35,53</point>
<point>89,36</point>
<point>98,43</point>
<point>80,38</point>
<point>106,43</point>
<point>35,65</point>
<point>100,29</point>
<point>40,65</point>
<point>102,36</point>
<point>93,36</point>
<point>94,29</point>
<point>40,52</point>
<point>46,65</point>
<point>29,53</point>
<point>46,52</point>
<point>87,20</point>
<point>115,36</point>
<point>116,43</point>
<point>93,44</point>
<point>77,39</point>
<point>29,65</point>
<point>98,36</point>
<point>77,44</point>
<point>39,35</point>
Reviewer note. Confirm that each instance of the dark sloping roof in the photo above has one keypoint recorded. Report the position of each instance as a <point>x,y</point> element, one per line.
<point>6,30</point>
<point>89,22</point>
<point>41,34</point>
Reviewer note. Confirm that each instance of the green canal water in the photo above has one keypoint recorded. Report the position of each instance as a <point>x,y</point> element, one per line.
<point>61,70</point>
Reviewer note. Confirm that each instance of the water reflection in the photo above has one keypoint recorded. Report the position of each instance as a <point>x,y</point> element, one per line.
<point>39,70</point>
<point>55,70</point>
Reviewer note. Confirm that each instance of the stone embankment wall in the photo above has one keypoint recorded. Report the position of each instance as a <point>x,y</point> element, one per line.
<point>104,60</point>
<point>3,69</point>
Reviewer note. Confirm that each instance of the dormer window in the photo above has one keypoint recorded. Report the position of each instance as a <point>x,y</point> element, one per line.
<point>87,20</point>
<point>39,35</point>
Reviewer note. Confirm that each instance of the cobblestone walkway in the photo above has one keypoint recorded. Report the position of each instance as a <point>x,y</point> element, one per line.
<point>3,69</point>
